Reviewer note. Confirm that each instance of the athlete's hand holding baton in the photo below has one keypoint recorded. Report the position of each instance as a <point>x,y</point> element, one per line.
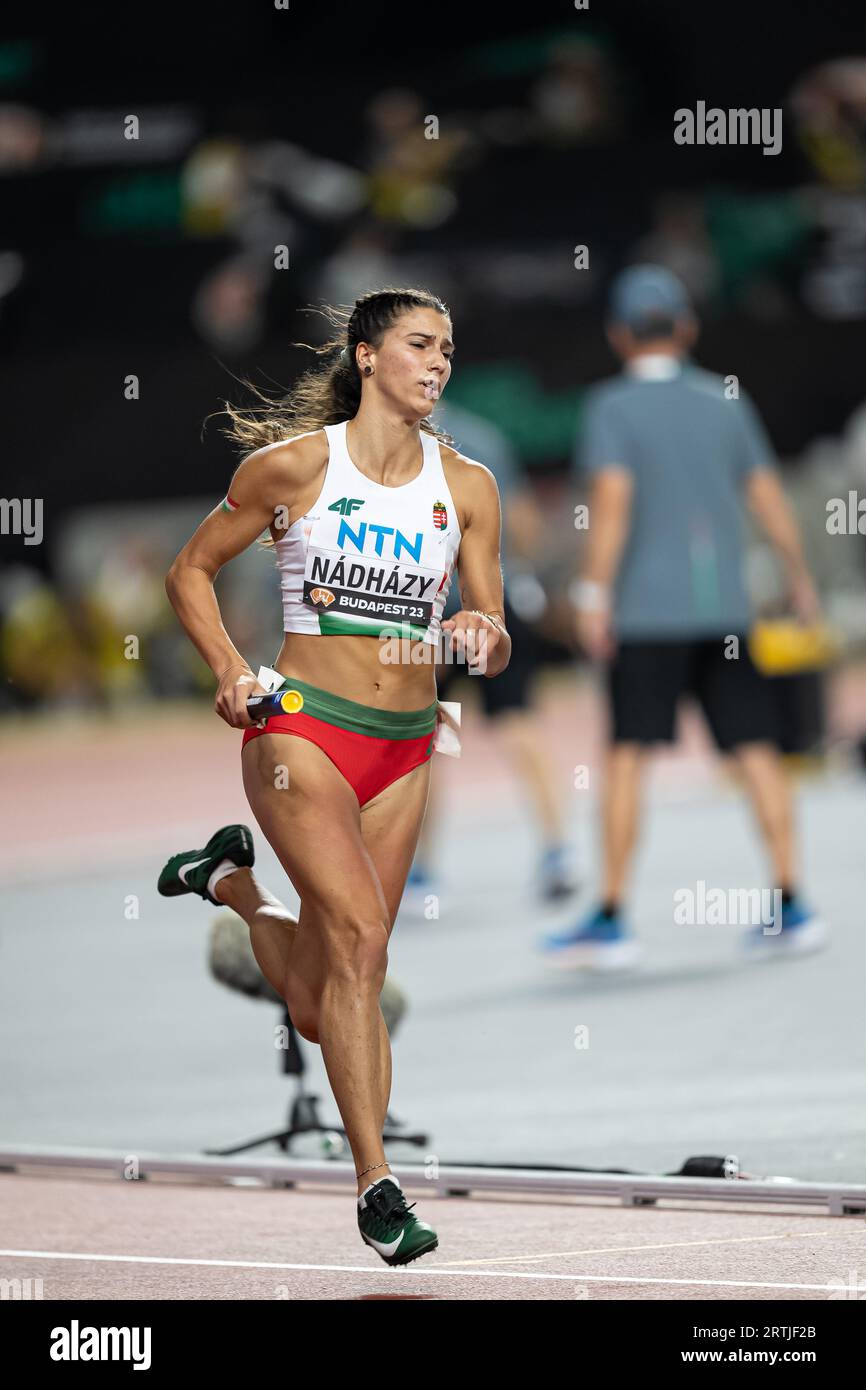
<point>235,686</point>
<point>242,702</point>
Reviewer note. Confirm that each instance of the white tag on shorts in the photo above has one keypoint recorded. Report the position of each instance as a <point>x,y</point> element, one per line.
<point>269,680</point>
<point>447,736</point>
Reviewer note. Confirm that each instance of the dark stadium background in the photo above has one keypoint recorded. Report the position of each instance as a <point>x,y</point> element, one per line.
<point>109,272</point>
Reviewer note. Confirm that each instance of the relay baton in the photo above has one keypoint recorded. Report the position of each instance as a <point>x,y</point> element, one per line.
<point>278,702</point>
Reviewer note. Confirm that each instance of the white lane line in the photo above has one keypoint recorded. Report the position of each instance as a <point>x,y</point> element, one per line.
<point>660,1245</point>
<point>377,1269</point>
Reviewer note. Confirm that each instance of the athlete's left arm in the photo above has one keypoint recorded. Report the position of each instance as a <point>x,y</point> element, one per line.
<point>480,575</point>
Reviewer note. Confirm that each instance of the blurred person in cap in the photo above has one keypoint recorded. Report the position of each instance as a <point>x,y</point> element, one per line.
<point>675,459</point>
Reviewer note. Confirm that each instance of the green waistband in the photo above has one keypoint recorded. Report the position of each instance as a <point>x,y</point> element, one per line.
<point>363,719</point>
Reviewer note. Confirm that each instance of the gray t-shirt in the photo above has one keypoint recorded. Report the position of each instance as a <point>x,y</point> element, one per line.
<point>689,449</point>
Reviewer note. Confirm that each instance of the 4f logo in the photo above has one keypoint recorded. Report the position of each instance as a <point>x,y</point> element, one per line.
<point>346,505</point>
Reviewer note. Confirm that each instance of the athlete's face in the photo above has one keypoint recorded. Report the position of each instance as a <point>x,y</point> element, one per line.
<point>413,363</point>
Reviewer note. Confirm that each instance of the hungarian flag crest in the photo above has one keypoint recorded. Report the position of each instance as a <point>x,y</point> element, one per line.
<point>440,516</point>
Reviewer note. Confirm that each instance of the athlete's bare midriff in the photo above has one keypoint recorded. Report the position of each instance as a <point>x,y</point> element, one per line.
<point>357,666</point>
<point>353,666</point>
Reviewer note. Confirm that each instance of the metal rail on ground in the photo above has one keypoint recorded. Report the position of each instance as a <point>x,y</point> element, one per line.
<point>838,1199</point>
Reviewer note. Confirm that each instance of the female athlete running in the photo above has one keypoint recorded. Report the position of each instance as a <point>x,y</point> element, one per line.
<point>369,512</point>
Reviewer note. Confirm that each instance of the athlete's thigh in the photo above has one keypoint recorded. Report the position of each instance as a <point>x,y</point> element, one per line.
<point>390,826</point>
<point>309,815</point>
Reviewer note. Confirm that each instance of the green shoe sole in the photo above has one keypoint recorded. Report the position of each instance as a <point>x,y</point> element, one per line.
<point>414,1254</point>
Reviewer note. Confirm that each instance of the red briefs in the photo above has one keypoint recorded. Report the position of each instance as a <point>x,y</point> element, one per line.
<point>371,747</point>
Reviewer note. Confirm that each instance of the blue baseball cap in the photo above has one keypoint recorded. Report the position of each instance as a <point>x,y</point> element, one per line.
<point>646,292</point>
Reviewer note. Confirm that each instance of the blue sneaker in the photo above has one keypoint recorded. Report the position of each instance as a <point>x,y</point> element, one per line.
<point>801,931</point>
<point>556,879</point>
<point>596,943</point>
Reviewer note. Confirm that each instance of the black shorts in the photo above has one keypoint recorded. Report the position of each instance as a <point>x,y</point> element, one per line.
<point>509,690</point>
<point>646,681</point>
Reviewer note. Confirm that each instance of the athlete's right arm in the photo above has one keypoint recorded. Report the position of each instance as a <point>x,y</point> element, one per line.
<point>266,481</point>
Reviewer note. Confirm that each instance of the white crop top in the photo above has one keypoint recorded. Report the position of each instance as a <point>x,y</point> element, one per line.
<point>367,558</point>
